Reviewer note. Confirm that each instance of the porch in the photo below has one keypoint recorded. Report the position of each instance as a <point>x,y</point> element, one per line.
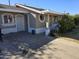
<point>52,21</point>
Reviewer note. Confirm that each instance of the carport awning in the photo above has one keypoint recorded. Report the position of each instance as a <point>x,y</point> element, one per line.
<point>13,10</point>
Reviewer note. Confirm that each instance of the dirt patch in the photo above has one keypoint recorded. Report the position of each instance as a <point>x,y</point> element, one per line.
<point>61,48</point>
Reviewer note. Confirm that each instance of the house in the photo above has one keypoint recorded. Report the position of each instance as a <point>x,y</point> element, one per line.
<point>26,18</point>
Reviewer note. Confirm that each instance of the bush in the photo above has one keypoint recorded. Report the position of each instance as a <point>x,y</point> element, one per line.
<point>67,23</point>
<point>76,19</point>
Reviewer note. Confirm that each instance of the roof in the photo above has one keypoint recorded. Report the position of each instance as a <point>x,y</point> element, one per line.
<point>7,6</point>
<point>33,9</point>
<point>38,10</point>
<point>53,12</point>
<point>21,10</point>
<point>10,8</point>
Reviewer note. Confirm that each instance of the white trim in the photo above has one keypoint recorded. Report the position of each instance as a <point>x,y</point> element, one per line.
<point>41,12</point>
<point>48,20</point>
<point>29,20</point>
<point>47,26</point>
<point>38,30</point>
<point>16,20</point>
<point>41,20</point>
<point>12,10</point>
<point>47,32</point>
<point>53,12</point>
<point>8,30</point>
<point>33,14</point>
<point>28,23</point>
<point>9,24</point>
<point>28,8</point>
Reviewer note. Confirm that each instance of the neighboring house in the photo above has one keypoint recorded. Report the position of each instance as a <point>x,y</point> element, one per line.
<point>26,18</point>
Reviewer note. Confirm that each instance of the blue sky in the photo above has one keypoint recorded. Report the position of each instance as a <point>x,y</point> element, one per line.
<point>71,6</point>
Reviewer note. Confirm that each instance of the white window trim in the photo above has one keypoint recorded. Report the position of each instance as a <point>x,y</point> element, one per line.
<point>9,23</point>
<point>41,20</point>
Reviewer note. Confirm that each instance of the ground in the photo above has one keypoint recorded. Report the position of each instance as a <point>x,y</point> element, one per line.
<point>60,48</point>
<point>42,47</point>
<point>72,34</point>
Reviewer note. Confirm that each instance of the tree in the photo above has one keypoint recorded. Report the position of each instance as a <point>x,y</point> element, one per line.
<point>67,23</point>
<point>76,19</point>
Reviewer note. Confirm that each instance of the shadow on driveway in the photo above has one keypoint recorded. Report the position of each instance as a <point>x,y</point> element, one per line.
<point>34,41</point>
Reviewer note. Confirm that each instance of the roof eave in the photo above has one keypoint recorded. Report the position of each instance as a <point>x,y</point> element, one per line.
<point>37,11</point>
<point>54,13</point>
<point>49,12</point>
<point>12,10</point>
<point>29,8</point>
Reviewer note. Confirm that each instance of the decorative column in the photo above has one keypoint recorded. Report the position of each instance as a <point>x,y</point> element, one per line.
<point>47,26</point>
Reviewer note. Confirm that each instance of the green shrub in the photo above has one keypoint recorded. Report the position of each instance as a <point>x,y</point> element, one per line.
<point>67,23</point>
<point>76,19</point>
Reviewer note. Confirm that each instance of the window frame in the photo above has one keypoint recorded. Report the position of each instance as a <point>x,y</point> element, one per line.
<point>3,22</point>
<point>41,19</point>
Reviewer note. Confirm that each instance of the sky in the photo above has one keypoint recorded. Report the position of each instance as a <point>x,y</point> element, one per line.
<point>67,6</point>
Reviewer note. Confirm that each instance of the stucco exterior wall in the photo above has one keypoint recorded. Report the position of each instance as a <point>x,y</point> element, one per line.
<point>12,27</point>
<point>35,23</point>
<point>0,20</point>
<point>38,23</point>
<point>32,20</point>
<point>26,21</point>
<point>1,13</point>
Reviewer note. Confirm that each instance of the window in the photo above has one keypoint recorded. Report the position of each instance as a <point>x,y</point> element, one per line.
<point>42,18</point>
<point>8,19</point>
<point>5,19</point>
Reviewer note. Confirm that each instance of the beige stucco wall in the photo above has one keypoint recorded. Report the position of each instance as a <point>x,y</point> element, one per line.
<point>35,22</point>
<point>43,24</point>
<point>1,13</point>
<point>38,23</point>
<point>11,28</point>
<point>0,20</point>
<point>32,20</point>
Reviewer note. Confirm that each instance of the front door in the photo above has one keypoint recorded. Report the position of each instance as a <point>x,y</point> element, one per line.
<point>20,23</point>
